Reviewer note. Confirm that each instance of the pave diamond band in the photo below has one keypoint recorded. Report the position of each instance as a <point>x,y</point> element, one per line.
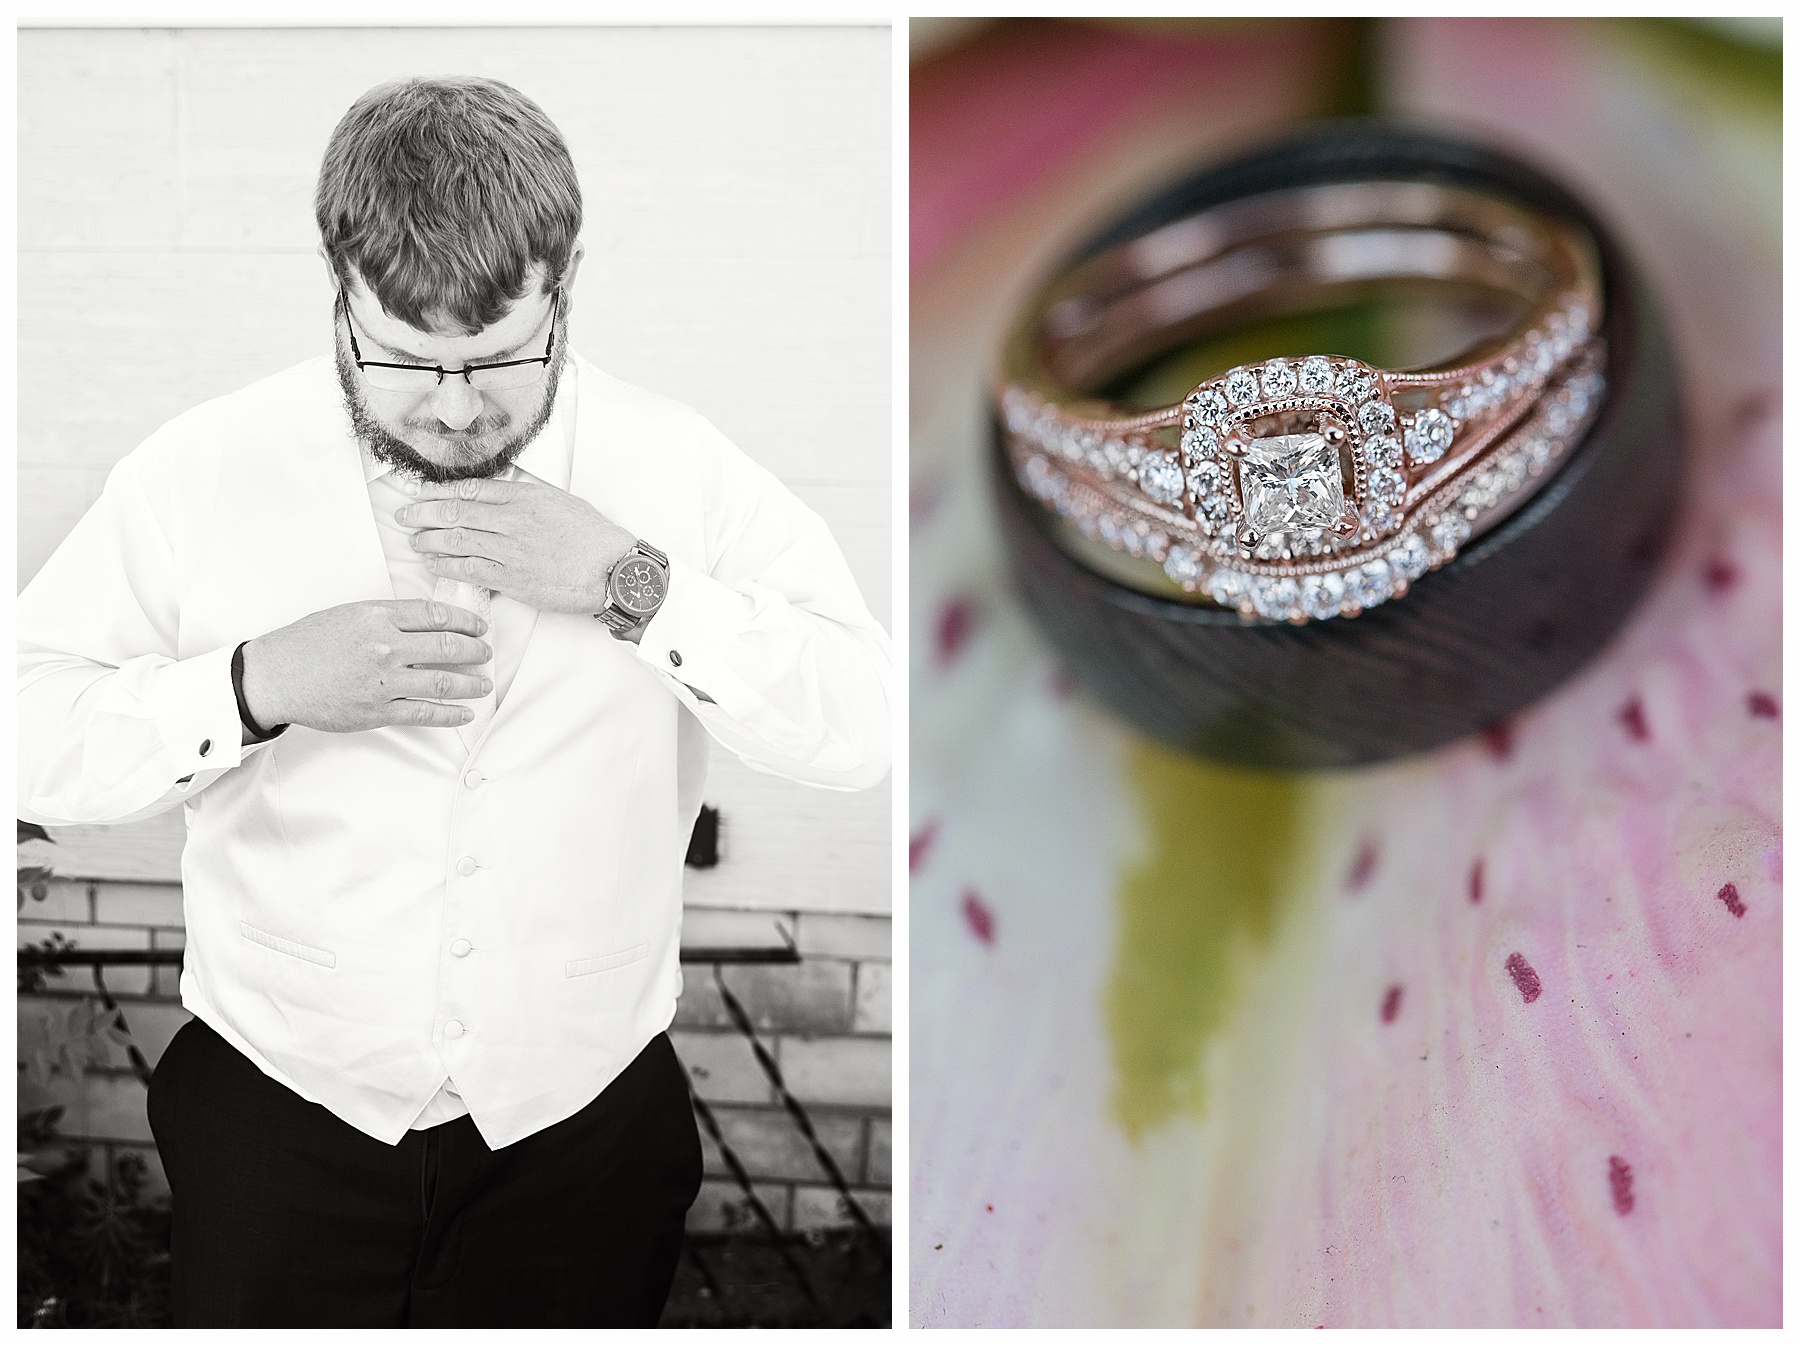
<point>1308,486</point>
<point>1442,521</point>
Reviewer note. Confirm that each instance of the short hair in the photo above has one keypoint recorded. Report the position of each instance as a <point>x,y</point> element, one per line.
<point>442,194</point>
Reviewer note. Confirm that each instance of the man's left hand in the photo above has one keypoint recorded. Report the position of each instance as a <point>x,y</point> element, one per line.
<point>546,548</point>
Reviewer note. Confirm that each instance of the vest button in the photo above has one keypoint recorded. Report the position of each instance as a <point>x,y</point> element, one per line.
<point>472,779</point>
<point>453,1029</point>
<point>461,948</point>
<point>465,866</point>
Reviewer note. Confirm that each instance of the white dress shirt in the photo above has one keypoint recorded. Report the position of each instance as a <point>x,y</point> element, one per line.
<point>372,915</point>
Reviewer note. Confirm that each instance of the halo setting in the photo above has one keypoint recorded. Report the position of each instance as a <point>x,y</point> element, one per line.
<point>1315,486</point>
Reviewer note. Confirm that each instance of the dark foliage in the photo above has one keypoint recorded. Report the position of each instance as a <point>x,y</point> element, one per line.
<point>741,1280</point>
<point>91,1254</point>
<point>38,961</point>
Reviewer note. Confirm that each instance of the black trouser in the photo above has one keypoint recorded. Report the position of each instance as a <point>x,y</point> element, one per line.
<point>287,1217</point>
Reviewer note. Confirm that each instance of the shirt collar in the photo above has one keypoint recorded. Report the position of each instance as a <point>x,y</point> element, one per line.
<point>548,456</point>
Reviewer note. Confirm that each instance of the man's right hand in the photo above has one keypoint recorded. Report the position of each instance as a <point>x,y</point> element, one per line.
<point>359,667</point>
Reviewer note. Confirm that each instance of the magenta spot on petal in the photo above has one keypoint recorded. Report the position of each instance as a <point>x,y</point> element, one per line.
<point>1497,738</point>
<point>955,624</point>
<point>1477,880</point>
<point>980,919</point>
<point>1772,864</point>
<point>1362,869</point>
<point>920,846</point>
<point>1720,575</point>
<point>1390,1005</point>
<point>1631,715</point>
<point>1733,903</point>
<point>1524,977</point>
<point>1618,1177</point>
<point>1763,706</point>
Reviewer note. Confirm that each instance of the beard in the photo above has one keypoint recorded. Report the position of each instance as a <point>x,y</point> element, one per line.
<point>477,450</point>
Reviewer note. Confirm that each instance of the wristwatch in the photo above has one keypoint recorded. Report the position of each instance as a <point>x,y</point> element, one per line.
<point>636,588</point>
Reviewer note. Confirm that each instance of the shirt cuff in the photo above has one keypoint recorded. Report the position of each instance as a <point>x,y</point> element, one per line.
<point>197,714</point>
<point>697,620</point>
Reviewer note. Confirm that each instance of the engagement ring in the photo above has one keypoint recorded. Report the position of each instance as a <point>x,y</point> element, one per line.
<point>1307,486</point>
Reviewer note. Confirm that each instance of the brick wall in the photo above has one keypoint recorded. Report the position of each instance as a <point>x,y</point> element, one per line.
<point>103,1108</point>
<point>826,1020</point>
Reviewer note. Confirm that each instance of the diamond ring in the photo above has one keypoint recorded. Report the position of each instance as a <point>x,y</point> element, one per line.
<point>1305,487</point>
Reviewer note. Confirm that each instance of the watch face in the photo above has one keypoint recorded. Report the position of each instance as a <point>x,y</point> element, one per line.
<point>638,586</point>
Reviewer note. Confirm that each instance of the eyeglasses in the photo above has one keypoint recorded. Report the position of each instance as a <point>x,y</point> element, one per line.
<point>494,377</point>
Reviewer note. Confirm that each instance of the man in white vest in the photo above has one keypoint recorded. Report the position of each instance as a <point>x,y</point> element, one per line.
<point>427,637</point>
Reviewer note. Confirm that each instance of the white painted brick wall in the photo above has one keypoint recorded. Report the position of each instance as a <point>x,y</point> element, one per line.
<point>737,193</point>
<point>837,1069</point>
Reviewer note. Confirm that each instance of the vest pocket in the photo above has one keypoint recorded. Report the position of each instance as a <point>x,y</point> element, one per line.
<point>582,967</point>
<point>301,951</point>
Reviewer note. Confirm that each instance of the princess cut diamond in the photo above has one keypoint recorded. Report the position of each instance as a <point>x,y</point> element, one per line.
<point>1291,482</point>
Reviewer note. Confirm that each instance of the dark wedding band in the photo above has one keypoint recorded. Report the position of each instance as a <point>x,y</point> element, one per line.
<point>1512,545</point>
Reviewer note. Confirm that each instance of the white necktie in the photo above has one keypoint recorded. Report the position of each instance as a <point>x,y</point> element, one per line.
<point>472,598</point>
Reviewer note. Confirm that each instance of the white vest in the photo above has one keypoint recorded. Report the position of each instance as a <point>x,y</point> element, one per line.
<point>330,877</point>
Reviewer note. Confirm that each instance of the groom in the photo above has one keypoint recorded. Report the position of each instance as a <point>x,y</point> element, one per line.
<point>426,636</point>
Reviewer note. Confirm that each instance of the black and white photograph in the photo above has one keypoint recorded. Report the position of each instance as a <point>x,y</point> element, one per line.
<point>455,701</point>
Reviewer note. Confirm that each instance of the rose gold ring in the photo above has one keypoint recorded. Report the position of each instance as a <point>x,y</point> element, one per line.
<point>1305,487</point>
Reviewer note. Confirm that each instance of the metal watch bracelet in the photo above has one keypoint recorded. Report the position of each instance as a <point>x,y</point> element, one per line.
<point>617,619</point>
